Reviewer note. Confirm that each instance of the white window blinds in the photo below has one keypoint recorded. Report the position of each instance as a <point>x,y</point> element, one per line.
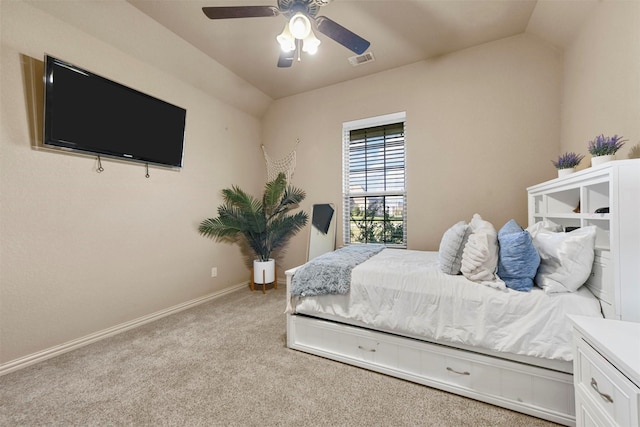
<point>374,195</point>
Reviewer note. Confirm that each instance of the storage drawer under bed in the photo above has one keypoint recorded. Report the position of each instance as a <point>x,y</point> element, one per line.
<point>530,389</point>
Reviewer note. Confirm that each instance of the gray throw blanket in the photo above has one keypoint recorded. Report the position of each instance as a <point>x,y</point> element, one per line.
<point>330,273</point>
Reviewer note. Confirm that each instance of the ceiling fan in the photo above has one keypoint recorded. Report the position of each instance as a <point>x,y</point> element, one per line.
<point>298,32</point>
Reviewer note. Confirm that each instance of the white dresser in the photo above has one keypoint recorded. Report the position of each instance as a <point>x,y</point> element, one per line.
<point>606,372</point>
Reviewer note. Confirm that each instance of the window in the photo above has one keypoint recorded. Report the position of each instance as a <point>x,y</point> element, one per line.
<point>374,195</point>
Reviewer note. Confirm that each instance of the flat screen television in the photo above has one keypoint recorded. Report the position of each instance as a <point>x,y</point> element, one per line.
<point>89,113</point>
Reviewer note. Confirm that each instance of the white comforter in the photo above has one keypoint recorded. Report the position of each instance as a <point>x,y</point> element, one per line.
<point>404,291</point>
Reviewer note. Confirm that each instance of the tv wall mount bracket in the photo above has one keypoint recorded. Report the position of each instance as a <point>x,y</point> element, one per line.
<point>100,169</point>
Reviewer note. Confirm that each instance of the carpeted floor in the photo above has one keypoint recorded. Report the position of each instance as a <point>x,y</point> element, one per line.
<point>224,363</point>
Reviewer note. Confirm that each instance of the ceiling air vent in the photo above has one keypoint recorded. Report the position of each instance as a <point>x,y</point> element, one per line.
<point>361,59</point>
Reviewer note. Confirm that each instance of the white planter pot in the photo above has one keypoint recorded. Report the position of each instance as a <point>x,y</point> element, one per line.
<point>264,271</point>
<point>598,160</point>
<point>565,172</point>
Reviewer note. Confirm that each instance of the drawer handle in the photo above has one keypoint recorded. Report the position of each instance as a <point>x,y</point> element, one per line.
<point>372,350</point>
<point>604,396</point>
<point>458,372</point>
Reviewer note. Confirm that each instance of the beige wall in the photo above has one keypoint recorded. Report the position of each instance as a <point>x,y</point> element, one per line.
<point>602,80</point>
<point>482,125</point>
<point>82,252</point>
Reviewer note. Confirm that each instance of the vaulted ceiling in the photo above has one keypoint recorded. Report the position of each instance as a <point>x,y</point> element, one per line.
<point>245,52</point>
<point>401,32</point>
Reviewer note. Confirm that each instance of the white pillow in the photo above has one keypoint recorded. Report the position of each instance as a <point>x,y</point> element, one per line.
<point>480,254</point>
<point>451,247</point>
<point>566,259</point>
<point>543,225</point>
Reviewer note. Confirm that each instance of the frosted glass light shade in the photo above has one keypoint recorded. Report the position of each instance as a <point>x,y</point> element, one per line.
<point>299,26</point>
<point>286,41</point>
<point>310,44</point>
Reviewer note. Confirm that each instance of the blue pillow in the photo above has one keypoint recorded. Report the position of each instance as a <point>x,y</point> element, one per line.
<point>518,259</point>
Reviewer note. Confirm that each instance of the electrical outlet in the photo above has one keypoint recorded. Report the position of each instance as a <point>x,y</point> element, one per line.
<point>214,271</point>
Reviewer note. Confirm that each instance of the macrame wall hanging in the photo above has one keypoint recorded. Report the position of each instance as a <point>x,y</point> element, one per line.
<point>287,164</point>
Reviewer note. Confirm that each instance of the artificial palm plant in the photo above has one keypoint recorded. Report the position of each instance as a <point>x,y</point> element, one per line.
<point>265,225</point>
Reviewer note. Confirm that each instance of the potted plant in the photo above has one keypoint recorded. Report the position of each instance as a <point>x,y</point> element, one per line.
<point>567,163</point>
<point>264,225</point>
<point>603,148</point>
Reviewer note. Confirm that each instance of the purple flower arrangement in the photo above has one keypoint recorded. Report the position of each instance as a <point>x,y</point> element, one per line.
<point>568,161</point>
<point>605,145</point>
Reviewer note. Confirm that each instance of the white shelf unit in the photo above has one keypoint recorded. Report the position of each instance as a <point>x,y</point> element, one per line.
<point>571,201</point>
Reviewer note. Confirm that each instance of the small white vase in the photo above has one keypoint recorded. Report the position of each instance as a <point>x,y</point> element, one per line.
<point>598,160</point>
<point>565,172</point>
<point>264,271</point>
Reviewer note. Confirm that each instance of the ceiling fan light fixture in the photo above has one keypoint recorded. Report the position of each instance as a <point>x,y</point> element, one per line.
<point>300,26</point>
<point>298,34</point>
<point>286,41</point>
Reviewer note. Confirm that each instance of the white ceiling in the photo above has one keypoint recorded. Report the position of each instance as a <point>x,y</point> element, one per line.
<point>401,32</point>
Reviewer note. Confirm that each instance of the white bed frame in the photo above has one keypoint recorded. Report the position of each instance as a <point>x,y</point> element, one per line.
<point>532,386</point>
<point>513,384</point>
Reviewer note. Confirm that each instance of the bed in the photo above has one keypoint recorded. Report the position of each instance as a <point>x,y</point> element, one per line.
<point>403,316</point>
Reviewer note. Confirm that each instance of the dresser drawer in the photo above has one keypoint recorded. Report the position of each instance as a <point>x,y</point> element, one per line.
<point>588,414</point>
<point>606,390</point>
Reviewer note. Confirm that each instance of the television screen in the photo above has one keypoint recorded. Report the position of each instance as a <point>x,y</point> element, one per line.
<point>321,217</point>
<point>89,113</point>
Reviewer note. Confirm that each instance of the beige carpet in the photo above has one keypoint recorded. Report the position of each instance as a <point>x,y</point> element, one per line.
<point>224,363</point>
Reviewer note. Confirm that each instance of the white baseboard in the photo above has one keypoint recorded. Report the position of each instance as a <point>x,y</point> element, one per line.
<point>57,350</point>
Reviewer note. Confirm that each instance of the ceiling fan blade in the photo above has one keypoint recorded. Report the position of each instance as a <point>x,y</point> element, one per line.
<point>286,59</point>
<point>340,34</point>
<point>225,12</point>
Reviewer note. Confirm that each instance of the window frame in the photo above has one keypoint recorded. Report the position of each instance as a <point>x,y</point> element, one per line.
<point>348,194</point>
